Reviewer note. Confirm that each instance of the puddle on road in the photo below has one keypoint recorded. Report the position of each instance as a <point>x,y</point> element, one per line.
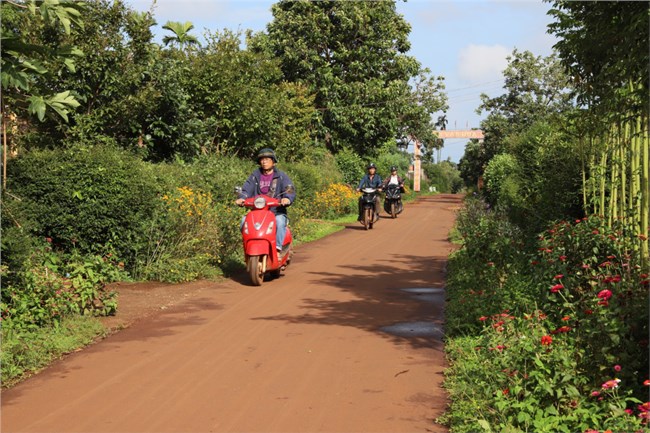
<point>426,294</point>
<point>414,329</point>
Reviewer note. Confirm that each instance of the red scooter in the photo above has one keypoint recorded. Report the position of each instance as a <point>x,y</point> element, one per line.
<point>258,234</point>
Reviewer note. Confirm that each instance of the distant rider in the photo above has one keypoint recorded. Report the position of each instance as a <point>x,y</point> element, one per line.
<point>394,178</point>
<point>272,182</point>
<point>370,180</point>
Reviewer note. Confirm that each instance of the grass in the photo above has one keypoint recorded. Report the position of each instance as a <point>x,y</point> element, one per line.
<point>26,352</point>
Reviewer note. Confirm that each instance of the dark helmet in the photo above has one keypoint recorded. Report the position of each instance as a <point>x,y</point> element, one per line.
<point>267,153</point>
<point>393,168</point>
<point>371,165</point>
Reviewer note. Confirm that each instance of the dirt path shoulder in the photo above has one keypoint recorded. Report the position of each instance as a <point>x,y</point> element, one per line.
<point>347,340</point>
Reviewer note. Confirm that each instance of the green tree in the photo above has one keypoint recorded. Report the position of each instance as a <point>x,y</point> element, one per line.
<point>244,102</point>
<point>536,88</point>
<point>352,57</point>
<point>181,36</point>
<point>604,46</point>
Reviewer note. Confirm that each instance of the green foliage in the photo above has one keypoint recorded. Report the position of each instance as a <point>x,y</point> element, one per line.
<point>502,180</point>
<point>555,327</point>
<point>444,176</point>
<point>86,198</point>
<point>604,46</point>
<point>536,89</point>
<point>240,93</point>
<point>351,56</point>
<point>25,351</point>
<point>34,51</point>
<point>351,165</point>
<point>51,286</point>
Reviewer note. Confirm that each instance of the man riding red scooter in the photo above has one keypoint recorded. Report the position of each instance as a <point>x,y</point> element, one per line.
<point>266,236</point>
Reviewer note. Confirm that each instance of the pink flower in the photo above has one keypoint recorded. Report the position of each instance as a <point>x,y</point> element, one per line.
<point>595,393</point>
<point>617,367</point>
<point>605,294</point>
<point>646,382</point>
<point>611,384</point>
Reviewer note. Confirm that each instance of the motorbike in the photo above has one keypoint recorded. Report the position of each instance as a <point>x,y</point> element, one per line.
<point>258,236</point>
<point>393,200</point>
<point>368,215</point>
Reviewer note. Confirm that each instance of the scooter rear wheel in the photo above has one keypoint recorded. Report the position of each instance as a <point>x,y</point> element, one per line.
<point>255,270</point>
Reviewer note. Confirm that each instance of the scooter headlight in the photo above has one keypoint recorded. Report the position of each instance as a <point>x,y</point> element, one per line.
<point>259,203</point>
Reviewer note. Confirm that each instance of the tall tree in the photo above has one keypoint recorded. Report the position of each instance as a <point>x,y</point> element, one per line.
<point>352,57</point>
<point>181,34</point>
<point>536,88</point>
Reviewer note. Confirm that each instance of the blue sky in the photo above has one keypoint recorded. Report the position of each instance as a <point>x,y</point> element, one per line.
<point>465,41</point>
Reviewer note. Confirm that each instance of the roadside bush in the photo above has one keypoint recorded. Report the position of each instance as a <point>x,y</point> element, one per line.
<point>55,285</point>
<point>335,200</point>
<point>550,338</point>
<point>85,198</point>
<point>351,166</point>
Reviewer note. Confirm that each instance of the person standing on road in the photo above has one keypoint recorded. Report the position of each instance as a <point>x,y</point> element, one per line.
<point>270,181</point>
<point>370,180</point>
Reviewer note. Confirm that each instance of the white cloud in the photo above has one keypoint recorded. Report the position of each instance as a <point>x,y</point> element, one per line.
<point>482,63</point>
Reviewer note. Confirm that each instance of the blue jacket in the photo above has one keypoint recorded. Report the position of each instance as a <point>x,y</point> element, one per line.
<point>366,182</point>
<point>279,184</point>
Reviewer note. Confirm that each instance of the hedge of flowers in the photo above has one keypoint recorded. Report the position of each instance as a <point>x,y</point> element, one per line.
<point>547,335</point>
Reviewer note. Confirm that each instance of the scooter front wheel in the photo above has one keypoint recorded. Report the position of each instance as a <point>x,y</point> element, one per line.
<point>255,270</point>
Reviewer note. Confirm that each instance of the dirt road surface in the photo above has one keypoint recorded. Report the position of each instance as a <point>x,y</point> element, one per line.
<point>347,340</point>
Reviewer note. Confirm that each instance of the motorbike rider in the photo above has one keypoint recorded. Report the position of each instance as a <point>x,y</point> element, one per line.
<point>270,181</point>
<point>370,180</point>
<point>394,178</point>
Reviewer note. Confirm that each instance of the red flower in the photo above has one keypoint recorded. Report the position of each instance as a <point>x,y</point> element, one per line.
<point>563,258</point>
<point>566,318</point>
<point>561,330</point>
<point>558,276</point>
<point>556,288</point>
<point>547,340</point>
<point>646,382</point>
<point>589,311</point>
<point>506,391</point>
<point>482,318</point>
<point>605,294</point>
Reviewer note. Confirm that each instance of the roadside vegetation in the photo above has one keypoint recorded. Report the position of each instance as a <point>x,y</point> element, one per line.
<point>120,156</point>
<point>547,315</point>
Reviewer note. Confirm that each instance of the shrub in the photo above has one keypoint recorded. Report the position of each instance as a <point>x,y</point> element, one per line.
<point>335,200</point>
<point>85,198</point>
<point>351,166</point>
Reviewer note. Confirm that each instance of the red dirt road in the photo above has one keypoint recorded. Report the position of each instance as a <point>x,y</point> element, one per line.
<point>308,352</point>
